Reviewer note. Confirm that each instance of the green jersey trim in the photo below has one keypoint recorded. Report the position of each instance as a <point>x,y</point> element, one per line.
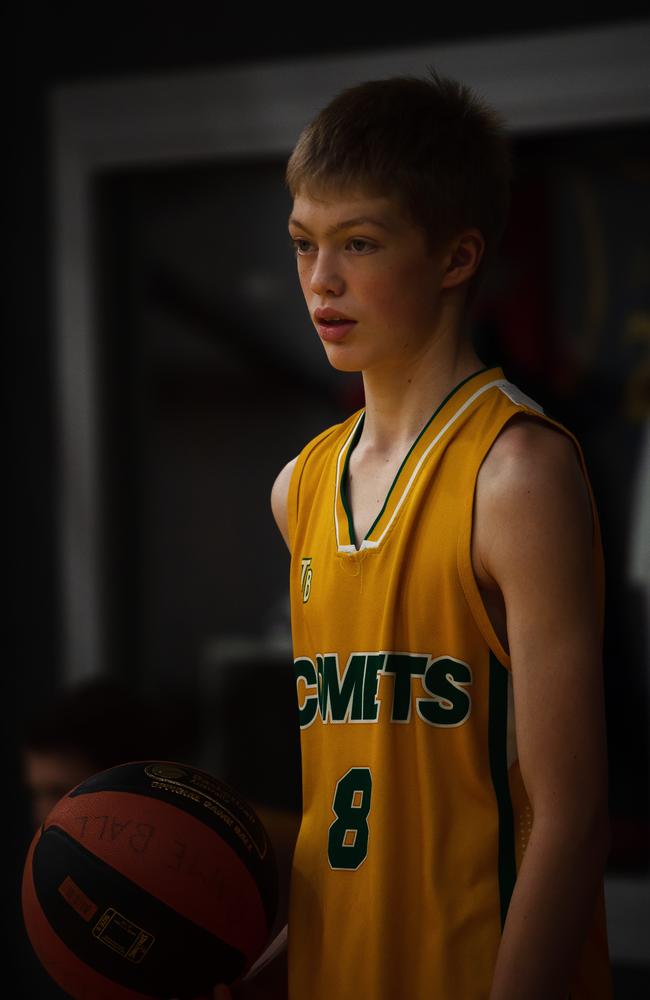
<point>498,749</point>
<point>352,440</point>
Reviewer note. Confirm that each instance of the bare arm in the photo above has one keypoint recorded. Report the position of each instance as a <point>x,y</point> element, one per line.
<point>279,493</point>
<point>535,523</point>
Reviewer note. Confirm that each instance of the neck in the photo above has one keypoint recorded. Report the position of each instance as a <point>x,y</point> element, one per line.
<point>401,398</point>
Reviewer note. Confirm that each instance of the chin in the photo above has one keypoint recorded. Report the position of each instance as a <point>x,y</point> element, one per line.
<point>343,360</point>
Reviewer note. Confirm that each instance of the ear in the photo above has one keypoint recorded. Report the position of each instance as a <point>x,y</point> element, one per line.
<point>463,258</point>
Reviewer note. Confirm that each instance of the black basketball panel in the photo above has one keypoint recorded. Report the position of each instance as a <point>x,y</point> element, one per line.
<point>211,801</point>
<point>120,930</point>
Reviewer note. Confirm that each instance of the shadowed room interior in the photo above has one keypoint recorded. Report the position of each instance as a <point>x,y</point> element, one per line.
<point>204,381</point>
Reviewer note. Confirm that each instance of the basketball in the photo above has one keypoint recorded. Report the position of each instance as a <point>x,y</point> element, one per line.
<point>150,879</point>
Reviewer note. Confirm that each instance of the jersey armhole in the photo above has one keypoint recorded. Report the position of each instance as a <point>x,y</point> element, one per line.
<point>465,567</point>
<point>466,570</point>
<point>292,499</point>
<point>293,492</point>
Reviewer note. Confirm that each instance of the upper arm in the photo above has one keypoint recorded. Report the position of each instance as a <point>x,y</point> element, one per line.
<point>537,546</point>
<point>279,496</point>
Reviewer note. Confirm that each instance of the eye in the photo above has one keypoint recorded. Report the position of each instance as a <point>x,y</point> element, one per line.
<point>296,247</point>
<point>365,243</point>
<point>301,246</point>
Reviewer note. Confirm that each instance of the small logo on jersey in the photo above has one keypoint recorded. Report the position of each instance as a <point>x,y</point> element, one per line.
<point>305,577</point>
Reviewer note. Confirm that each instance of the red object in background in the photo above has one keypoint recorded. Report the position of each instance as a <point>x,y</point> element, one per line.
<point>520,305</point>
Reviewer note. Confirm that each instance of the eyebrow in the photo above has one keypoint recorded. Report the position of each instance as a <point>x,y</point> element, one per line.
<point>337,227</point>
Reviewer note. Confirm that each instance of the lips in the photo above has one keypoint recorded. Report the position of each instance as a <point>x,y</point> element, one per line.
<point>327,315</point>
<point>333,325</point>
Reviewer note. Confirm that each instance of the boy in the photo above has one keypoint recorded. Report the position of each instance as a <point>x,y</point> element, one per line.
<point>446,592</point>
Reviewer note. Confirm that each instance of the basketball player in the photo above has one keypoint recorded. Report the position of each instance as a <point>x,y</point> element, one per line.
<point>446,591</point>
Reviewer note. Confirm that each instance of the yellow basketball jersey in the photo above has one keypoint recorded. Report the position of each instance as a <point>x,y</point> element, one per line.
<point>415,817</point>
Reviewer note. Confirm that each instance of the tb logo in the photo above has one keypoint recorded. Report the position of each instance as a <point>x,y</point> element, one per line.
<point>305,577</point>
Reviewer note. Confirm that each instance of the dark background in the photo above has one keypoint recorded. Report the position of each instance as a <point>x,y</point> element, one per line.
<point>48,46</point>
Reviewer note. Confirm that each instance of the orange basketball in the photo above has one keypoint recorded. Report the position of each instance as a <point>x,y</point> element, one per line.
<point>150,879</point>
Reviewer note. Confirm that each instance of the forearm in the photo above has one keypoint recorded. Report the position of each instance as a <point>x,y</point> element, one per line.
<point>550,910</point>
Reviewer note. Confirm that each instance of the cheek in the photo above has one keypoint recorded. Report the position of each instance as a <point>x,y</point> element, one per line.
<point>400,294</point>
<point>304,278</point>
<point>419,293</point>
<point>381,288</point>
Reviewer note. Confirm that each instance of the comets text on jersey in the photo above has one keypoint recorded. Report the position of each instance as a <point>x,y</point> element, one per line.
<point>395,687</point>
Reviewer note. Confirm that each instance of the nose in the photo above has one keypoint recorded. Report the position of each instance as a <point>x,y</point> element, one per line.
<point>325,277</point>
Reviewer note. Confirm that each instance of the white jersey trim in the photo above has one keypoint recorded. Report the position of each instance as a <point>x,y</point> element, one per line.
<point>515,394</point>
<point>510,390</point>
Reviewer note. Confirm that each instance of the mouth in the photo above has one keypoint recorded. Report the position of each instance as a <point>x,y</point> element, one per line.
<point>331,324</point>
<point>334,330</point>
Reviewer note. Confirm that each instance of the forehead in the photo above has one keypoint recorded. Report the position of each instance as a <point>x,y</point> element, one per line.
<point>329,211</point>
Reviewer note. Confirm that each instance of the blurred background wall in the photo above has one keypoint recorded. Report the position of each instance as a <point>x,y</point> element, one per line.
<point>160,366</point>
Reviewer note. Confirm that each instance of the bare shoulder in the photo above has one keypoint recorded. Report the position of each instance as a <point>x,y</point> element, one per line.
<point>530,481</point>
<point>531,454</point>
<point>279,496</point>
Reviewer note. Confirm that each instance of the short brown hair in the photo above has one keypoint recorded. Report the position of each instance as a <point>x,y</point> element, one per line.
<point>432,142</point>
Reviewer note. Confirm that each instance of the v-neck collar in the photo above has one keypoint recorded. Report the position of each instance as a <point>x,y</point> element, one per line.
<point>342,511</point>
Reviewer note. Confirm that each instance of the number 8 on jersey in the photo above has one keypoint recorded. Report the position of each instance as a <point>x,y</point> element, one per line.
<point>347,844</point>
